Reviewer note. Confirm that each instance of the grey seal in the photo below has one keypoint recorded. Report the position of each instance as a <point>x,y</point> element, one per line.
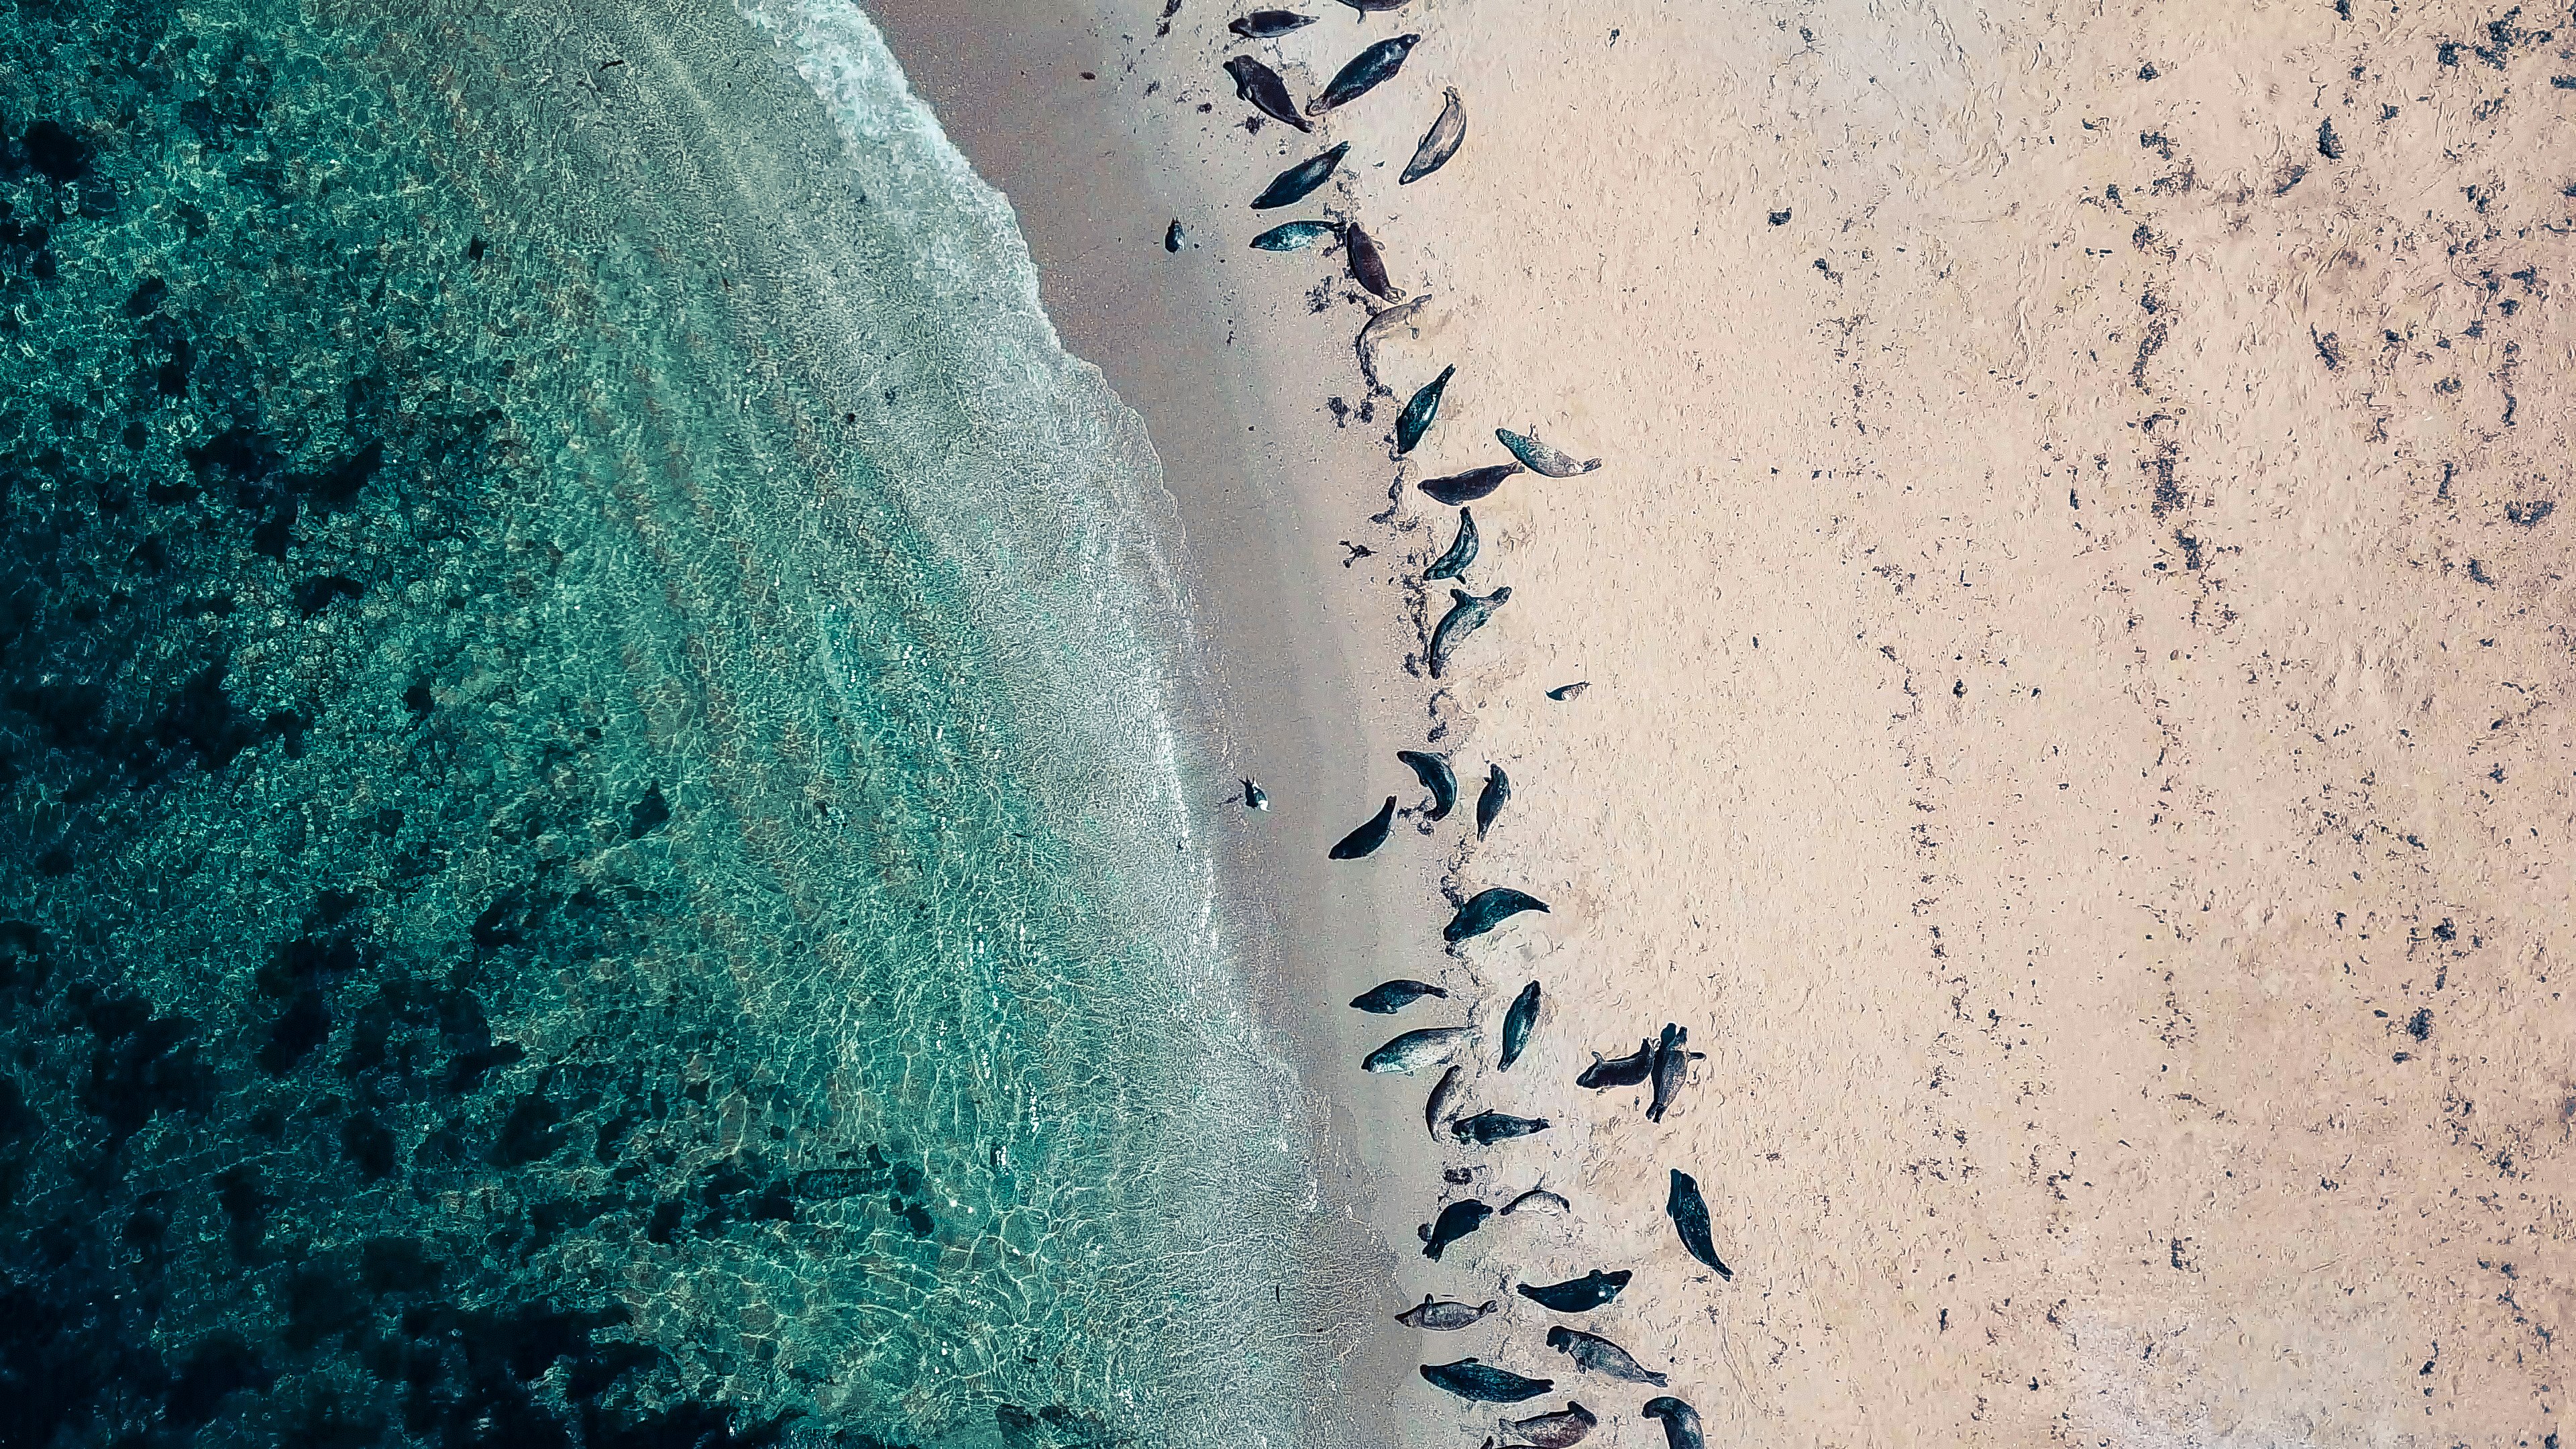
<point>1487,909</point>
<point>1436,776</point>
<point>1595,1354</point>
<point>1443,1316</point>
<point>1173,237</point>
<point>1436,1106</point>
<point>1414,1050</point>
<point>1268,24</point>
<point>1487,1128</point>
<point>1578,1295</point>
<point>1368,7</point>
<point>1625,1071</point>
<point>1472,1379</point>
<point>1368,837</point>
<point>1462,551</point>
<point>1294,184</point>
<point>1564,692</point>
<point>1367,263</point>
<point>1389,997</point>
<point>1538,1200</point>
<point>1294,236</point>
<point>1466,615</point>
<point>1681,1422</point>
<point>1517,1023</point>
<point>1491,800</point>
<point>1439,143</point>
<point>1543,460</point>
<point>1689,1212</point>
<point>1254,797</point>
<point>1381,323</point>
<point>1418,413</point>
<point>1469,486</point>
<point>1672,1059</point>
<point>1561,1430</point>
<point>1261,86</point>
<point>1363,73</point>
<point>1457,1220</point>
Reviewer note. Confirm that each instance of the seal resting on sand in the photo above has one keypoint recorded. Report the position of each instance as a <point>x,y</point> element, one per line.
<point>1469,486</point>
<point>1416,418</point>
<point>1457,1220</point>
<point>1368,264</point>
<point>1490,802</point>
<point>1436,1106</point>
<point>1518,1021</point>
<point>1625,1071</point>
<point>1381,325</point>
<point>1689,1212</point>
<point>1443,1316</point>
<point>1368,837</point>
<point>1487,1128</point>
<point>1439,143</point>
<point>1596,1354</point>
<point>1294,236</point>
<point>1487,909</point>
<point>1578,1295</point>
<point>1473,1379</point>
<point>1414,1050</point>
<point>1363,73</point>
<point>1673,1057</point>
<point>1254,797</point>
<point>1268,24</point>
<point>1543,460</point>
<point>1436,776</point>
<point>1462,551</point>
<point>1389,997</point>
<point>1538,1200</point>
<point>1561,1430</point>
<point>1564,692</point>
<point>1292,185</point>
<point>1681,1422</point>
<point>1466,615</point>
<point>1261,86</point>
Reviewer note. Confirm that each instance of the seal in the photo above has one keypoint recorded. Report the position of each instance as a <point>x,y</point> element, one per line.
<point>1578,1295</point>
<point>1681,1422</point>
<point>1436,1106</point>
<point>1368,7</point>
<point>1466,615</point>
<point>1543,460</point>
<point>1389,997</point>
<point>1294,184</point>
<point>1487,1128</point>
<point>1261,86</point>
<point>1254,797</point>
<point>1294,236</point>
<point>1368,264</point>
<point>1368,837</point>
<point>1491,800</point>
<point>1564,692</point>
<point>1473,1379</point>
<point>1518,1021</point>
<point>1595,1354</point>
<point>1689,1212</point>
<point>1462,551</point>
<point>1268,24</point>
<point>1538,1200</point>
<point>1436,776</point>
<point>1469,486</point>
<point>1443,1316</point>
<point>1673,1057</point>
<point>1457,1220</point>
<point>1625,1071</point>
<point>1439,143</point>
<point>1414,1050</point>
<point>1381,325</point>
<point>1416,418</point>
<point>1173,237</point>
<point>1487,909</point>
<point>1364,73</point>
<point>1561,1430</point>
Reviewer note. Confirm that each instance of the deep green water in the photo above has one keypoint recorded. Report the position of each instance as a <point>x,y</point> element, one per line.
<point>598,843</point>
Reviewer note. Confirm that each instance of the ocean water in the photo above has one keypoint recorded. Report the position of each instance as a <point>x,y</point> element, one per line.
<point>603,837</point>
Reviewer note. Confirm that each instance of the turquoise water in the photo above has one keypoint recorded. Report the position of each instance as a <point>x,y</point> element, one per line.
<point>603,843</point>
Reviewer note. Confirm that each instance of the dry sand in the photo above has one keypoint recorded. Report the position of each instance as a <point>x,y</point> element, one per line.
<point>2077,632</point>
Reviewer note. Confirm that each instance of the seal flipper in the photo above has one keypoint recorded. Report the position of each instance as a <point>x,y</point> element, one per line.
<point>1462,551</point>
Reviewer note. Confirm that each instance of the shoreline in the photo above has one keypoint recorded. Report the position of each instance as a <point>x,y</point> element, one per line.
<point>1306,665</point>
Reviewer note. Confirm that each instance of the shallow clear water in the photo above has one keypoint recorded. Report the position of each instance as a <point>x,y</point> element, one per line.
<point>600,839</point>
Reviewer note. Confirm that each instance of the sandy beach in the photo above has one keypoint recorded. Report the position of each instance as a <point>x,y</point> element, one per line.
<point>2072,612</point>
